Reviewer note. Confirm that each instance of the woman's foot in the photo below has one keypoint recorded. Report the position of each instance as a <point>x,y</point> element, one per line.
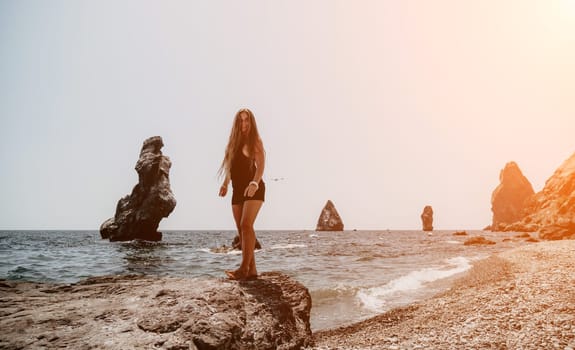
<point>239,275</point>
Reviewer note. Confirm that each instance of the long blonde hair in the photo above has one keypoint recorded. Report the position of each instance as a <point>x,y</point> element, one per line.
<point>237,141</point>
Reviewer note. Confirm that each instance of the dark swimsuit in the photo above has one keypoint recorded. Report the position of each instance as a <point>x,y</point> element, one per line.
<point>242,172</point>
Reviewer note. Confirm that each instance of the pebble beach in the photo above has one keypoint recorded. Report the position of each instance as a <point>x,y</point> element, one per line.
<point>523,298</point>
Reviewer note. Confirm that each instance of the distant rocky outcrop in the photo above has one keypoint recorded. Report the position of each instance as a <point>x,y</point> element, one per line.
<point>479,240</point>
<point>237,244</point>
<point>551,211</point>
<point>329,219</point>
<point>137,312</point>
<point>427,218</point>
<point>139,213</point>
<point>509,198</point>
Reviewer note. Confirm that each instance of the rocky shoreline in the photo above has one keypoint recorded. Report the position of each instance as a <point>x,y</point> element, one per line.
<point>150,312</point>
<point>520,299</point>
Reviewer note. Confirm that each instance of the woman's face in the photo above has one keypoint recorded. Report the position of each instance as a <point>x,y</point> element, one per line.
<point>244,123</point>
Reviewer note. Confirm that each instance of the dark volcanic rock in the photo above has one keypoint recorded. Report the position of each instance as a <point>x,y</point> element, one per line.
<point>509,198</point>
<point>139,213</point>
<point>130,312</point>
<point>329,219</point>
<point>427,218</point>
<point>236,244</point>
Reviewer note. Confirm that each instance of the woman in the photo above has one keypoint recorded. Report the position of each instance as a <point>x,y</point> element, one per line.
<point>243,164</point>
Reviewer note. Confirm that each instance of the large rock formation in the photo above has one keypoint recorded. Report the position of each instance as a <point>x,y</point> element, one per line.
<point>427,218</point>
<point>552,210</point>
<point>138,214</point>
<point>509,198</point>
<point>136,312</point>
<point>329,219</point>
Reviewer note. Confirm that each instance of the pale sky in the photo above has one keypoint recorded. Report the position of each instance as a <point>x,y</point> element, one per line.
<point>381,106</point>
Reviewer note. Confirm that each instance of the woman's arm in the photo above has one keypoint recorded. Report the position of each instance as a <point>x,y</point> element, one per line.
<point>260,159</point>
<point>224,187</point>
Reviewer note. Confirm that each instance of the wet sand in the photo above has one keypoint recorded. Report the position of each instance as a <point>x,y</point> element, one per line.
<point>519,299</point>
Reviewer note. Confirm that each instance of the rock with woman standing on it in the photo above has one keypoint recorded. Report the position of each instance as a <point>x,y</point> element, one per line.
<point>150,312</point>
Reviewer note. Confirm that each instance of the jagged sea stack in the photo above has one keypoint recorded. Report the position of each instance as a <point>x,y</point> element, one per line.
<point>510,197</point>
<point>427,218</point>
<point>329,219</point>
<point>139,213</point>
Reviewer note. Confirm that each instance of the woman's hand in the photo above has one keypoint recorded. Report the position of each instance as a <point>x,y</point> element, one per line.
<point>223,191</point>
<point>251,189</point>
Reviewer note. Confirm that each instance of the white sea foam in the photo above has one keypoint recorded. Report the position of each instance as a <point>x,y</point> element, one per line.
<point>229,252</point>
<point>287,246</point>
<point>454,242</point>
<point>375,298</point>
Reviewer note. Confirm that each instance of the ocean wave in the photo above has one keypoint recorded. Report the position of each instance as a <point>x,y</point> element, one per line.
<point>374,298</point>
<point>288,246</point>
<point>454,242</point>
<point>24,273</point>
<point>338,292</point>
<point>219,251</point>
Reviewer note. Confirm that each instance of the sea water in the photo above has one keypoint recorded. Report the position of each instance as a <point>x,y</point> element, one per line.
<point>351,275</point>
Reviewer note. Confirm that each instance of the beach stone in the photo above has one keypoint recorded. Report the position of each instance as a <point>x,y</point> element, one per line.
<point>478,240</point>
<point>427,218</point>
<point>509,198</point>
<point>138,214</point>
<point>145,312</point>
<point>329,219</point>
<point>518,299</point>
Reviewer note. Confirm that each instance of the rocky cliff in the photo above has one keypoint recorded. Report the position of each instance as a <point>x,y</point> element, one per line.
<point>329,219</point>
<point>139,213</point>
<point>551,211</point>
<point>136,312</point>
<point>509,198</point>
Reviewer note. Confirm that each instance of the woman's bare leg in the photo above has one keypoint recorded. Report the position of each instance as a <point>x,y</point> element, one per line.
<point>249,214</point>
<point>237,210</point>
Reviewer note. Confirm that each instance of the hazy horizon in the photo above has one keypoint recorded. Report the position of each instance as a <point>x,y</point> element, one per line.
<point>383,107</point>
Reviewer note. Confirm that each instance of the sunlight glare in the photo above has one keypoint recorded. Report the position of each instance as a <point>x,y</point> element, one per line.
<point>567,9</point>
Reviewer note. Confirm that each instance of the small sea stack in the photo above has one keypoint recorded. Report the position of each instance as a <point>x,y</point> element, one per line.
<point>427,218</point>
<point>329,219</point>
<point>139,213</point>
